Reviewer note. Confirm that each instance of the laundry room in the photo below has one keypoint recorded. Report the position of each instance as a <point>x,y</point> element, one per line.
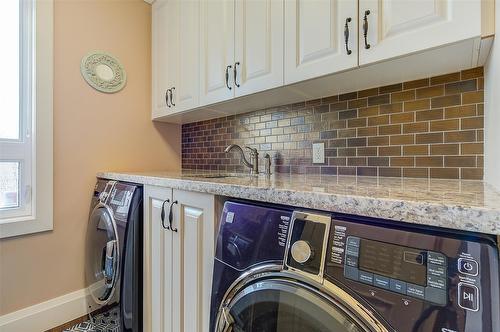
<point>249,166</point>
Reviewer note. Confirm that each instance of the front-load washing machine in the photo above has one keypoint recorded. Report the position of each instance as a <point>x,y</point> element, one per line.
<point>277,269</point>
<point>114,254</point>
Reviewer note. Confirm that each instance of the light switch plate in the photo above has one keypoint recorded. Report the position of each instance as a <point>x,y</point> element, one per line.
<point>318,153</point>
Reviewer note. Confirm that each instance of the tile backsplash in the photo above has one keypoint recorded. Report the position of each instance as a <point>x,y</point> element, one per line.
<point>431,127</point>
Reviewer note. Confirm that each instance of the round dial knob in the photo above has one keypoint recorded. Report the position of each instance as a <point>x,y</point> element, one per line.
<point>301,252</point>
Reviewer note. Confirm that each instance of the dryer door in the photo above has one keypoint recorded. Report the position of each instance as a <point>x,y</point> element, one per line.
<point>103,254</point>
<point>283,305</point>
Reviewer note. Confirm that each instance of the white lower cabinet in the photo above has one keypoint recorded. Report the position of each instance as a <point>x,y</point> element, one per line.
<point>178,259</point>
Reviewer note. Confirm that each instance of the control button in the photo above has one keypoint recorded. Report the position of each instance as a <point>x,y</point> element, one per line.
<point>436,258</point>
<point>468,296</point>
<point>415,291</point>
<point>366,277</point>
<point>353,241</point>
<point>352,251</point>
<point>351,261</point>
<point>381,281</point>
<point>435,295</point>
<point>436,282</point>
<point>467,266</point>
<point>436,270</point>
<point>301,252</point>
<point>398,286</point>
<point>351,272</point>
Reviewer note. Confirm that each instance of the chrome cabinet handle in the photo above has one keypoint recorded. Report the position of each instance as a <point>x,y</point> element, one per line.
<point>167,98</point>
<point>365,28</point>
<point>162,214</point>
<point>171,216</point>
<point>236,64</point>
<point>172,96</point>
<point>346,35</point>
<point>227,76</point>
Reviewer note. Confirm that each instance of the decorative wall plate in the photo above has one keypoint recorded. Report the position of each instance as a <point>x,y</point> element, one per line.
<point>103,72</point>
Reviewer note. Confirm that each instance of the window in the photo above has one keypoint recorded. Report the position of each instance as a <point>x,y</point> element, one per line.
<point>26,117</point>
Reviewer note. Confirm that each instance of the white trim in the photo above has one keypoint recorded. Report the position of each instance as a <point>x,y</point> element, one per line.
<point>48,314</point>
<point>41,218</point>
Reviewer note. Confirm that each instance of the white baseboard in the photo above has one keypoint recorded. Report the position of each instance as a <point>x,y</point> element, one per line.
<point>46,315</point>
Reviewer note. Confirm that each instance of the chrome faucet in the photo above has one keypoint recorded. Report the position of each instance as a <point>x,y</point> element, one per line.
<point>253,164</point>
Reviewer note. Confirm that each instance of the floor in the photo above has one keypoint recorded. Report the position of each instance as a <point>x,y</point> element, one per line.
<point>104,322</point>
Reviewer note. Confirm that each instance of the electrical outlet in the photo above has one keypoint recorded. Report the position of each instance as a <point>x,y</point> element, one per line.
<point>318,153</point>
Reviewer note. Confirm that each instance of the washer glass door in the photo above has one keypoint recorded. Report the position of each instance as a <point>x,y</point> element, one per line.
<point>103,262</point>
<point>284,306</point>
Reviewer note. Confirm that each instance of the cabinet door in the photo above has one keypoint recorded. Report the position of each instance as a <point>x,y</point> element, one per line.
<point>314,38</point>
<point>187,89</point>
<point>164,53</point>
<point>216,50</point>
<point>193,252</point>
<point>400,27</point>
<point>158,263</point>
<point>258,45</point>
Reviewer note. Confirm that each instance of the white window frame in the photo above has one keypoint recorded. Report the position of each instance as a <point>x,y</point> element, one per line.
<point>36,190</point>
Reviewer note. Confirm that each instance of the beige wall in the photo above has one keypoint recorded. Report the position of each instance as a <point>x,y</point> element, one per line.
<point>92,131</point>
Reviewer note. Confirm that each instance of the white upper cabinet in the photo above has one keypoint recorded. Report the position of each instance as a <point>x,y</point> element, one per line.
<point>401,27</point>
<point>258,45</point>
<point>216,51</point>
<point>315,38</point>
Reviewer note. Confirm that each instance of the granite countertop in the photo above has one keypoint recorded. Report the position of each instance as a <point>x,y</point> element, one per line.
<point>458,204</point>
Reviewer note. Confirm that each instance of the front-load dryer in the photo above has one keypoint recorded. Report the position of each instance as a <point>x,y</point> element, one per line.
<point>277,269</point>
<point>113,269</point>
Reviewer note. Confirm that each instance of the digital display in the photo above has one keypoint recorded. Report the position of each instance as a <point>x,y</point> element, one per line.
<point>402,263</point>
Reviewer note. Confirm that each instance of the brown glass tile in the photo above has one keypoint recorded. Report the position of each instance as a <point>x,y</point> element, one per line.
<point>472,97</point>
<point>368,111</point>
<point>445,78</point>
<point>367,151</point>
<point>432,91</point>
<point>480,135</point>
<point>348,96</point>
<point>460,161</point>
<point>446,101</point>
<point>472,148</point>
<point>390,88</point>
<point>378,120</point>
<point>471,173</point>
<point>416,127</point>
<point>429,138</point>
<point>379,100</point>
<point>378,161</point>
<point>346,152</point>
<point>445,149</point>
<point>367,131</point>
<point>416,84</point>
<point>337,143</point>
<point>415,150</point>
<point>391,108</point>
<point>389,151</point>
<point>366,171</point>
<point>402,161</point>
<point>368,92</point>
<point>357,103</point>
<point>403,96</point>
<point>378,140</point>
<point>444,173</point>
<point>356,161</point>
<point>445,125</point>
<point>359,122</point>
<point>328,170</point>
<point>434,114</point>
<point>390,130</point>
<point>460,111</point>
<point>348,114</point>
<point>402,139</point>
<point>415,172</point>
<point>403,117</point>
<point>480,109</point>
<point>480,161</point>
<point>344,133</point>
<point>321,109</point>
<point>460,136</point>
<point>359,141</point>
<point>338,161</point>
<point>416,105</point>
<point>340,106</point>
<point>460,87</point>
<point>472,123</point>
<point>329,100</point>
<point>389,171</point>
<point>347,170</point>
<point>480,83</point>
<point>328,134</point>
<point>429,161</point>
<point>472,73</point>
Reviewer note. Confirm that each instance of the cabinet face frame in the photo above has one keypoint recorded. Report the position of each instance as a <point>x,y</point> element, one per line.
<point>394,30</point>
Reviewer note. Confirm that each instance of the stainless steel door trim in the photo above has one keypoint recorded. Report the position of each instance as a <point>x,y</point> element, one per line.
<point>325,219</point>
<point>332,293</point>
<point>116,276</point>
